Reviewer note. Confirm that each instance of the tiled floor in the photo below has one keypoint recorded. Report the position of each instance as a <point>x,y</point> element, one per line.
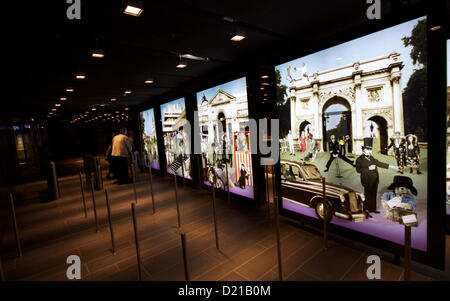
<point>52,231</point>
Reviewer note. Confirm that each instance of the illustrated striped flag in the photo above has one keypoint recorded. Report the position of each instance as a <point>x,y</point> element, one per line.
<point>241,157</point>
<point>246,159</point>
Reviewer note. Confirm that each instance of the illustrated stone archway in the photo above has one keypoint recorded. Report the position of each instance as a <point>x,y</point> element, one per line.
<point>347,115</point>
<point>371,87</point>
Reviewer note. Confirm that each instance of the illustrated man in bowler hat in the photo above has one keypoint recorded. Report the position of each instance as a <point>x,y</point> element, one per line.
<point>366,165</point>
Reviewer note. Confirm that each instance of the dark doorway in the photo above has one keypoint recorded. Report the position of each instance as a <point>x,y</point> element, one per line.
<point>379,130</point>
<point>305,126</point>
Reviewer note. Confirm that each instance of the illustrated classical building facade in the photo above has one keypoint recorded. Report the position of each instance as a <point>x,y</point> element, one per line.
<point>222,113</point>
<point>370,90</point>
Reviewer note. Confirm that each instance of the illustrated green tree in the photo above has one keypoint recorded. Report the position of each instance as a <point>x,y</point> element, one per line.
<point>415,94</point>
<point>284,108</point>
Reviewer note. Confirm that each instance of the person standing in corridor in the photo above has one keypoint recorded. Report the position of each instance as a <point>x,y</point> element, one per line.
<point>121,150</point>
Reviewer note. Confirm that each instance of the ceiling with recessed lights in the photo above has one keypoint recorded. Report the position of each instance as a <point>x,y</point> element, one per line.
<point>50,50</point>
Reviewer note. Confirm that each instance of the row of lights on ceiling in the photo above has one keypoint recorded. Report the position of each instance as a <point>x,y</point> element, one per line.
<point>263,88</point>
<point>104,117</point>
<point>135,8</point>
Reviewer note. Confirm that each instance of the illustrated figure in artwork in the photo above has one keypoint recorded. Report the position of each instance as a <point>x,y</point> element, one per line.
<point>291,143</point>
<point>243,175</point>
<point>303,142</point>
<point>342,143</point>
<point>398,143</point>
<point>401,196</point>
<point>302,72</point>
<point>366,166</point>
<point>313,149</point>
<point>412,153</point>
<point>335,152</point>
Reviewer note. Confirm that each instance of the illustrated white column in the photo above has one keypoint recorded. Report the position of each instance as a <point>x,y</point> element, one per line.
<point>397,100</point>
<point>293,111</point>
<point>358,115</point>
<point>315,105</point>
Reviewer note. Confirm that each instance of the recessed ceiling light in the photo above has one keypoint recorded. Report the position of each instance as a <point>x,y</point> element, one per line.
<point>127,92</point>
<point>133,8</point>
<point>94,109</point>
<point>98,53</point>
<point>194,57</point>
<point>265,76</point>
<point>102,105</point>
<point>69,90</point>
<point>53,109</point>
<point>113,99</point>
<point>149,81</point>
<point>182,64</point>
<point>57,104</point>
<point>80,76</point>
<point>434,28</point>
<point>126,109</point>
<point>237,36</point>
<point>63,98</point>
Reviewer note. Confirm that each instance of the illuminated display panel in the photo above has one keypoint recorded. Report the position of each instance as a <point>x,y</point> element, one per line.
<point>149,138</point>
<point>338,103</point>
<point>176,141</point>
<point>225,137</point>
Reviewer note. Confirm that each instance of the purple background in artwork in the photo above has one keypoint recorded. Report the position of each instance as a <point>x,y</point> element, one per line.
<point>154,164</point>
<point>247,192</point>
<point>448,210</point>
<point>377,226</point>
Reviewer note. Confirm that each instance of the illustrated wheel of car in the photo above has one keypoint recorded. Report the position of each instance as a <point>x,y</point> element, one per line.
<point>322,208</point>
<point>211,176</point>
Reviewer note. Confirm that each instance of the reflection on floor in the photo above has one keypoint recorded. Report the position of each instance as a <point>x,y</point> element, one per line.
<point>52,231</point>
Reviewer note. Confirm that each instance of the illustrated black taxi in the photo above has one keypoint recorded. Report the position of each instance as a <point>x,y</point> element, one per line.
<point>302,184</point>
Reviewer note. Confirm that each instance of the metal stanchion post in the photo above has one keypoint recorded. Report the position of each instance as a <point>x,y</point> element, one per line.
<point>93,204</point>
<point>176,200</point>
<point>136,238</point>
<point>110,222</point>
<point>266,174</point>
<point>16,229</point>
<point>274,185</point>
<point>407,253</point>
<point>277,226</point>
<point>182,170</point>
<point>324,199</point>
<point>53,185</point>
<point>133,171</point>
<point>183,247</point>
<point>82,195</point>
<point>151,187</point>
<point>214,216</point>
<point>228,182</point>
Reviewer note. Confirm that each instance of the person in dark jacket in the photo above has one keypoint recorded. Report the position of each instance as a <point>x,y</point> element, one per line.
<point>335,152</point>
<point>366,165</point>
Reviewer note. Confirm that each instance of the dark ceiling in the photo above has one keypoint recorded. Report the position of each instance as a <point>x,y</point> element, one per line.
<point>50,49</point>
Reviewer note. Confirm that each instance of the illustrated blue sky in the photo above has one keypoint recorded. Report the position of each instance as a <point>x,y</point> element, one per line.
<point>179,101</point>
<point>148,116</point>
<point>373,45</point>
<point>235,87</point>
